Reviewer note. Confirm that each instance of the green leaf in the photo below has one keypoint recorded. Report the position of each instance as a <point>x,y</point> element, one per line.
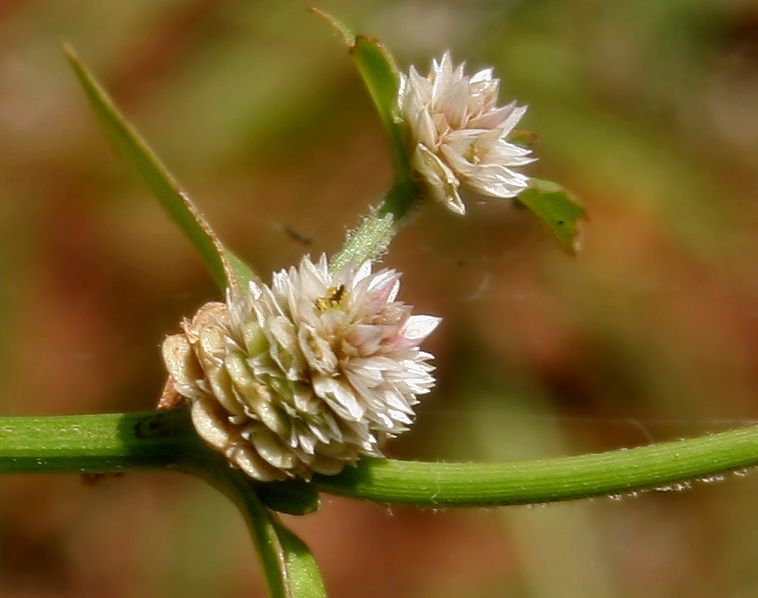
<point>289,568</point>
<point>381,77</point>
<point>225,267</point>
<point>553,205</point>
<point>239,269</point>
<point>304,576</point>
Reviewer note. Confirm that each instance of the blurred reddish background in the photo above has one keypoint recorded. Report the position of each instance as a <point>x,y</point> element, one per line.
<point>646,111</point>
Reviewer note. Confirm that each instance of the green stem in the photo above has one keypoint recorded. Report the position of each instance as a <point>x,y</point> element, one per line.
<point>661,465</point>
<point>108,442</point>
<point>371,239</point>
<point>151,440</point>
<point>114,442</point>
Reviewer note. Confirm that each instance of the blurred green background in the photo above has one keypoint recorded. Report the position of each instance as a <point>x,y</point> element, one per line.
<point>647,110</point>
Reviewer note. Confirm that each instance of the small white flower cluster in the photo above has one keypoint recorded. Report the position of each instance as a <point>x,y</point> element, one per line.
<point>458,134</point>
<point>306,375</point>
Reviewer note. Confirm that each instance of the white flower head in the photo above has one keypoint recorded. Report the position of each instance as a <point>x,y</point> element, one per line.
<point>459,134</point>
<point>305,375</point>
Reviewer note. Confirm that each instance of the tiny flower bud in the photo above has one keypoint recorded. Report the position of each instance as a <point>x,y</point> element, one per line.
<point>458,134</point>
<point>305,375</point>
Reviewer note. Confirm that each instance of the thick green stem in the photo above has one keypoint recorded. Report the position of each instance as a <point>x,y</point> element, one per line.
<point>151,440</point>
<point>97,443</point>
<point>115,442</point>
<point>662,465</point>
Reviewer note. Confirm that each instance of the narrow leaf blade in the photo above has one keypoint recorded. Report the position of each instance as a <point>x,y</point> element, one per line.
<point>135,151</point>
<point>304,577</point>
<point>381,77</point>
<point>241,272</point>
<point>551,203</point>
<point>289,568</point>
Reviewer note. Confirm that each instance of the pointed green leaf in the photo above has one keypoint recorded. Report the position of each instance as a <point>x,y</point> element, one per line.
<point>553,205</point>
<point>289,568</point>
<point>239,269</point>
<point>382,79</point>
<point>225,267</point>
<point>304,577</point>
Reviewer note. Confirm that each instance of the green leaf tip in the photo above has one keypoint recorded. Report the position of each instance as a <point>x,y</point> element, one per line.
<point>552,204</point>
<point>347,36</point>
<point>225,268</point>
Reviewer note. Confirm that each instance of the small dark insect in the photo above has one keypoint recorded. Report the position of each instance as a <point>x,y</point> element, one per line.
<point>333,300</point>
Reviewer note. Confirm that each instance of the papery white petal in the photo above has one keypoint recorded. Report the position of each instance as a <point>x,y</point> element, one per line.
<point>420,86</point>
<point>509,123</point>
<point>441,180</point>
<point>339,396</point>
<point>443,75</point>
<point>454,104</point>
<point>417,328</point>
<point>180,360</point>
<point>362,272</point>
<point>208,419</point>
<point>498,181</point>
<point>493,118</point>
<point>426,130</point>
<point>483,75</point>
<point>244,457</point>
<point>268,446</point>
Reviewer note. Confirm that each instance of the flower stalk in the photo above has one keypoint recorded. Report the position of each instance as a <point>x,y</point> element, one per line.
<point>372,238</point>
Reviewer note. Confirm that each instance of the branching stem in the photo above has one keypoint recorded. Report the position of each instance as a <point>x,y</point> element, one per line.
<point>156,440</point>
